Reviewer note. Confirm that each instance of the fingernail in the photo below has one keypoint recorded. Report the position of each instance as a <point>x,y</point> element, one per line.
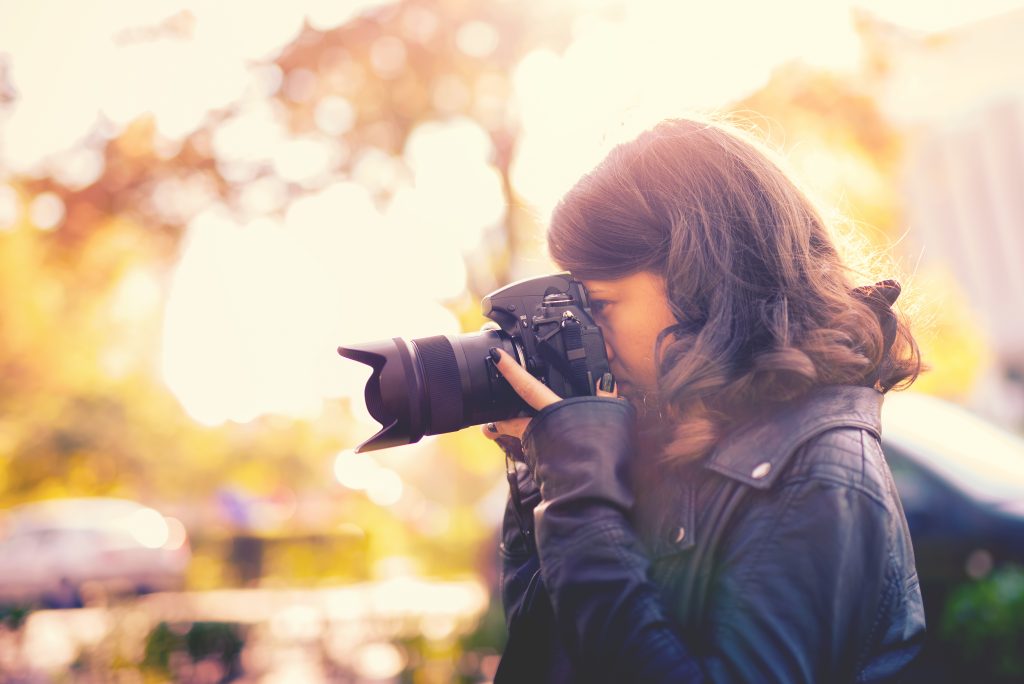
<point>607,382</point>
<point>492,427</point>
<point>495,356</point>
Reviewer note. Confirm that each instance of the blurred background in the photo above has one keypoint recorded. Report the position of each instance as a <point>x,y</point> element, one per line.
<point>199,201</point>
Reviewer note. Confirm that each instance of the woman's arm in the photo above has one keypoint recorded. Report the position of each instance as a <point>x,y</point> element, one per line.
<point>608,614</point>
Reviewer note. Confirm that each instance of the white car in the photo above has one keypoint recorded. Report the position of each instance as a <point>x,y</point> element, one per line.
<point>52,552</point>
<point>961,482</point>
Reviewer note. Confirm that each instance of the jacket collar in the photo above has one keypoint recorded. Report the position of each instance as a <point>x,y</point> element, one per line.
<point>754,455</point>
<point>757,453</point>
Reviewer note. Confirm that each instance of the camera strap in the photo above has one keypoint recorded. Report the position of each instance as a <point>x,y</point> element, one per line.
<point>513,490</point>
<point>573,366</point>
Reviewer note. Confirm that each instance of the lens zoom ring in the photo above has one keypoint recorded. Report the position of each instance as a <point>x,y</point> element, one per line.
<point>443,384</point>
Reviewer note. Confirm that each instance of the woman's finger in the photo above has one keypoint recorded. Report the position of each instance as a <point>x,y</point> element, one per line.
<point>513,427</point>
<point>607,387</point>
<point>533,391</point>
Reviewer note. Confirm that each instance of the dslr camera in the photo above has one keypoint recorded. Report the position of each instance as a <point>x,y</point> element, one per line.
<point>434,385</point>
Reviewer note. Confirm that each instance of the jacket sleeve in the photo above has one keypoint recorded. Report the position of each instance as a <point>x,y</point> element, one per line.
<point>608,614</point>
<point>796,588</point>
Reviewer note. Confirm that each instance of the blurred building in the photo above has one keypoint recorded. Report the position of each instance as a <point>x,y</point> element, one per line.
<point>959,97</point>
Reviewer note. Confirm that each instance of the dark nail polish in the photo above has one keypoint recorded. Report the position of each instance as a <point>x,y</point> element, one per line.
<point>495,356</point>
<point>607,382</point>
<point>492,427</point>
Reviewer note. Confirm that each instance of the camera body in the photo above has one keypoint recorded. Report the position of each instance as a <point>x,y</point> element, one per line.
<point>433,385</point>
<point>550,324</point>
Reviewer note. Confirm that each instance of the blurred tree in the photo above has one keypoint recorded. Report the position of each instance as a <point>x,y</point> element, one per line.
<point>83,409</point>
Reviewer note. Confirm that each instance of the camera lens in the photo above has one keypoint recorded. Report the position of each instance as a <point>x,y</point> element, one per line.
<point>434,385</point>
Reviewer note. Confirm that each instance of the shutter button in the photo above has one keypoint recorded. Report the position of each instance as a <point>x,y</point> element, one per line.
<point>761,471</point>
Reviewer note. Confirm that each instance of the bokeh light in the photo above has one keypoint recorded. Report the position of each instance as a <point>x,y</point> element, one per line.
<point>147,527</point>
<point>10,207</point>
<point>46,211</point>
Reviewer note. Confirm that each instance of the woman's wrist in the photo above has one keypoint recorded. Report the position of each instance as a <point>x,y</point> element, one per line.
<point>581,447</point>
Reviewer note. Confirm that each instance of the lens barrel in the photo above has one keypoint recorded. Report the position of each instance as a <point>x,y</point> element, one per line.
<point>434,385</point>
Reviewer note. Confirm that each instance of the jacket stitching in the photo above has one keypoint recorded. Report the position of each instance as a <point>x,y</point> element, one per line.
<point>552,408</point>
<point>762,540</point>
<point>828,479</point>
<point>762,544</point>
<point>880,613</point>
<point>598,527</point>
<point>724,625</point>
<point>732,469</point>
<point>863,459</point>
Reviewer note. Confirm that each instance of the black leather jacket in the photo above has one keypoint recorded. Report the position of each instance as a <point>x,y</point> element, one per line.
<point>783,556</point>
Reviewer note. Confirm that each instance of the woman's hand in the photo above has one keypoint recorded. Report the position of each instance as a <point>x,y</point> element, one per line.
<point>533,391</point>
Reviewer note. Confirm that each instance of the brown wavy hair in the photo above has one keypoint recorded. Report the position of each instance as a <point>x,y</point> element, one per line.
<point>765,306</point>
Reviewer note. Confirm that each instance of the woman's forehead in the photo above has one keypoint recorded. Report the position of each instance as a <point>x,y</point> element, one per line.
<point>599,286</point>
<point>642,281</point>
<point>593,284</point>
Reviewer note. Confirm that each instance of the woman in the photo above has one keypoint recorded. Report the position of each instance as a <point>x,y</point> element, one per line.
<point>734,520</point>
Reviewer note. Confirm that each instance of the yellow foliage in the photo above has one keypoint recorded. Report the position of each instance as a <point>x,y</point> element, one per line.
<point>952,341</point>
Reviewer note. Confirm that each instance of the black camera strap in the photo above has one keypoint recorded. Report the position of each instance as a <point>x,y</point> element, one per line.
<point>573,366</point>
<point>513,490</point>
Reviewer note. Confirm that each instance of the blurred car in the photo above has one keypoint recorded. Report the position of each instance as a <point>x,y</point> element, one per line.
<point>961,481</point>
<point>52,552</point>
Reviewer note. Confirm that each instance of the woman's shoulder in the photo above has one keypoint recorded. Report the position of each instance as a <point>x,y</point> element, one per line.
<point>843,456</point>
<point>830,433</point>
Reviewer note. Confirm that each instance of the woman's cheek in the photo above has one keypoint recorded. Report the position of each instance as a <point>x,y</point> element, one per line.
<point>609,337</point>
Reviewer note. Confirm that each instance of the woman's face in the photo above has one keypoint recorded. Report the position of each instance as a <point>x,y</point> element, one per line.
<point>631,312</point>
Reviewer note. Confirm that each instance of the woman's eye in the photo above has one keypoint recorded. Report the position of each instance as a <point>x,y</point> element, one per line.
<point>597,306</point>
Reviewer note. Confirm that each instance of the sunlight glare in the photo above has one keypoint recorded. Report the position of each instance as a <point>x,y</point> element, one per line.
<point>457,193</point>
<point>252,136</point>
<point>78,168</point>
<point>136,296</point>
<point>661,60</point>
<point>362,472</point>
<point>240,327</point>
<point>324,15</point>
<point>258,309</point>
<point>379,661</point>
<point>334,115</point>
<point>305,159</point>
<point>179,76</point>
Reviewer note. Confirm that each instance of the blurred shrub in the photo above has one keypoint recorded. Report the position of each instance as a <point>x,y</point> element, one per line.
<point>219,642</point>
<point>160,644</point>
<point>983,628</point>
<point>13,616</point>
